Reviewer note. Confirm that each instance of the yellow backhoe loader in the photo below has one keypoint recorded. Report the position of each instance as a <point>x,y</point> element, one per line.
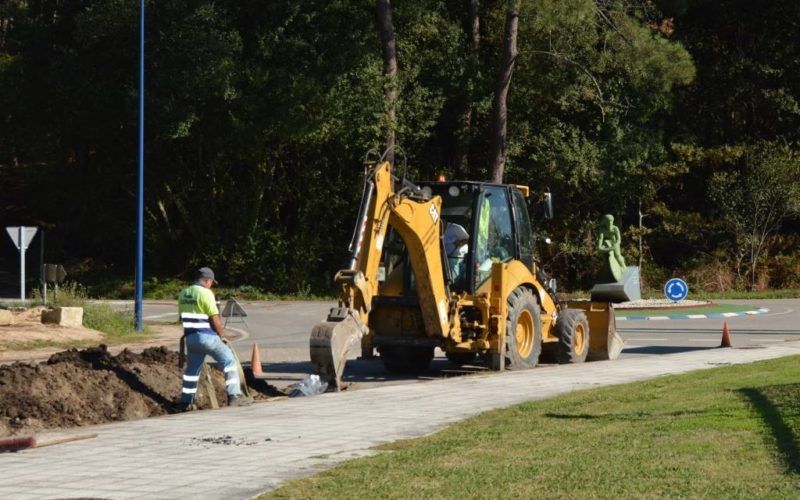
<point>451,265</point>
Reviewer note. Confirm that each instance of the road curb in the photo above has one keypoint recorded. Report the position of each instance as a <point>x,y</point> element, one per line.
<point>754,312</point>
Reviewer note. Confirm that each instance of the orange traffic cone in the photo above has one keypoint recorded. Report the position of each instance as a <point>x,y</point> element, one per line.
<point>726,337</point>
<point>255,362</point>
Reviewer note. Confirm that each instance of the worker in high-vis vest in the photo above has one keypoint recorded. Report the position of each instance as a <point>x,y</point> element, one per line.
<point>203,332</point>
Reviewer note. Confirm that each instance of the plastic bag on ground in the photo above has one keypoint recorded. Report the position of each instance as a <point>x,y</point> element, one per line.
<point>311,385</point>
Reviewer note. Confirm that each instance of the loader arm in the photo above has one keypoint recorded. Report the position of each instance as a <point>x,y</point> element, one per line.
<point>417,220</point>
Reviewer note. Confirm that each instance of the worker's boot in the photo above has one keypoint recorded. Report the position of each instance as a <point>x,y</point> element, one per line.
<point>239,400</point>
<point>183,407</point>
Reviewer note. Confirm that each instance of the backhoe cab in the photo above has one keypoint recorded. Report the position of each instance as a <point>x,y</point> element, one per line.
<point>452,265</point>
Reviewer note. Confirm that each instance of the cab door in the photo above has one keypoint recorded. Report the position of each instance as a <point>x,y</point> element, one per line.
<point>494,232</point>
<point>522,229</point>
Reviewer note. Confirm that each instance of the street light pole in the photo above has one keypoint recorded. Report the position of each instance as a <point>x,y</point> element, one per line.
<point>140,194</point>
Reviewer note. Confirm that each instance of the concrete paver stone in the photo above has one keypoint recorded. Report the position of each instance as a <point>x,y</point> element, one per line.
<point>282,440</point>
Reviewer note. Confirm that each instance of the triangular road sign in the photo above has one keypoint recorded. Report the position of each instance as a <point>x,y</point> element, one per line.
<point>233,309</point>
<point>27,235</point>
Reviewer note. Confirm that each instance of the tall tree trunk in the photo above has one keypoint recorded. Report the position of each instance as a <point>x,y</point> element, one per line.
<point>389,51</point>
<point>463,140</point>
<point>500,107</point>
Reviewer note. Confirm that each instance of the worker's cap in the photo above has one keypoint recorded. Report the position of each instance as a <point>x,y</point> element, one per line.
<point>205,273</point>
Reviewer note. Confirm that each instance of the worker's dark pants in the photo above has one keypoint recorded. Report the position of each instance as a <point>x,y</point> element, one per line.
<point>198,346</point>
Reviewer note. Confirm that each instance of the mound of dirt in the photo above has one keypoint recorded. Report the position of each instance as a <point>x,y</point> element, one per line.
<point>83,387</point>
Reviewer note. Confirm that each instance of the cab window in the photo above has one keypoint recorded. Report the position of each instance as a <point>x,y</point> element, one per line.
<point>495,236</point>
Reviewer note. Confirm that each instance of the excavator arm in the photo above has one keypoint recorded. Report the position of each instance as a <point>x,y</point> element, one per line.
<point>417,220</point>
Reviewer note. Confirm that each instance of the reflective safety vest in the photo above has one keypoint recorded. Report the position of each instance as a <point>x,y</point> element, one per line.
<point>196,305</point>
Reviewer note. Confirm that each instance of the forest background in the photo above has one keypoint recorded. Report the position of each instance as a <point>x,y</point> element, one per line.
<point>679,117</point>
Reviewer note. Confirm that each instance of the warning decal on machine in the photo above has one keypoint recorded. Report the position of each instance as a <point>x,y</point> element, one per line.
<point>434,213</point>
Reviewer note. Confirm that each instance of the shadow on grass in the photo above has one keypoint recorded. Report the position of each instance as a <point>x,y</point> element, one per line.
<point>775,405</point>
<point>628,416</point>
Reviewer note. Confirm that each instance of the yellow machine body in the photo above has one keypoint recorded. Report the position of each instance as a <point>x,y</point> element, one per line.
<point>405,301</point>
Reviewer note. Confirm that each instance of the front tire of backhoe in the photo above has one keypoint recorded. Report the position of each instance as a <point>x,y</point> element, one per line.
<point>572,330</point>
<point>523,330</point>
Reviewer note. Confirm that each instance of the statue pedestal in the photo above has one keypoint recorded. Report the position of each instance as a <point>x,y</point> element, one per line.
<point>627,289</point>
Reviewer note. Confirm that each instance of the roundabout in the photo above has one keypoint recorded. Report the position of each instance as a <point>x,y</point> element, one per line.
<point>663,309</point>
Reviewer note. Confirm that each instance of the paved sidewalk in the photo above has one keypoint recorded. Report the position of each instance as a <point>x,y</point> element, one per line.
<point>181,456</point>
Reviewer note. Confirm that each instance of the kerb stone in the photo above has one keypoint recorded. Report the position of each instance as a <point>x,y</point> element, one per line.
<point>64,316</point>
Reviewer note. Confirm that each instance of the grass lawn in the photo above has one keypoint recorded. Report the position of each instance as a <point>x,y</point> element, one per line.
<point>730,432</point>
<point>681,311</point>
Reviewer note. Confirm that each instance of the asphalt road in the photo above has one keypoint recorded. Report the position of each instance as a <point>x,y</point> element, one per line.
<point>780,324</point>
<point>281,330</point>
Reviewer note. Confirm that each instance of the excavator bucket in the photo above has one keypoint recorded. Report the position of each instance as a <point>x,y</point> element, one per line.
<point>604,342</point>
<point>332,340</point>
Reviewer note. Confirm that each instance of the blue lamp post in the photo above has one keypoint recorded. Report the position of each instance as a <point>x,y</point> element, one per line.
<point>140,194</point>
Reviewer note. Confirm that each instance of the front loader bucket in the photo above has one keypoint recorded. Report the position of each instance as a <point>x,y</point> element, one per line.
<point>331,341</point>
<point>604,342</point>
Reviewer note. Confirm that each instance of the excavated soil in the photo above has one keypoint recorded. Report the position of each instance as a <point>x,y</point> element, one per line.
<point>84,387</point>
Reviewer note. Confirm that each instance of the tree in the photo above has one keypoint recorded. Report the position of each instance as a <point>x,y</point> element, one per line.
<point>473,31</point>
<point>389,51</point>
<point>500,106</point>
<point>756,197</point>
<point>260,113</point>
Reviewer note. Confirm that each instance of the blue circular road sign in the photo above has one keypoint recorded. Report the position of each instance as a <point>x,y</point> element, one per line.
<point>676,289</point>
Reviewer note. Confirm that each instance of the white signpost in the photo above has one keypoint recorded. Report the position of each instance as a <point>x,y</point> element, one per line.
<point>21,236</point>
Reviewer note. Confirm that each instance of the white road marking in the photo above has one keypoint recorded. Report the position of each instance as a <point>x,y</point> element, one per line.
<point>244,334</point>
<point>767,340</point>
<point>788,311</point>
<point>646,340</point>
<point>702,340</point>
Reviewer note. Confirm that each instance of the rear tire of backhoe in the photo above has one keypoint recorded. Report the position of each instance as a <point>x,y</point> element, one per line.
<point>523,330</point>
<point>406,359</point>
<point>572,330</point>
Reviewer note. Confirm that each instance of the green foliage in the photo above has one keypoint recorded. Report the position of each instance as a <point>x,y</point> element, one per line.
<point>107,319</point>
<point>259,115</point>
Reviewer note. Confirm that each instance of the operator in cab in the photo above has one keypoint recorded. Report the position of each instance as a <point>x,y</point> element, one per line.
<point>456,246</point>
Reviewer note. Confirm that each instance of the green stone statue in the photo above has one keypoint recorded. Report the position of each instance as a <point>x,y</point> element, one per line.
<point>608,244</point>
